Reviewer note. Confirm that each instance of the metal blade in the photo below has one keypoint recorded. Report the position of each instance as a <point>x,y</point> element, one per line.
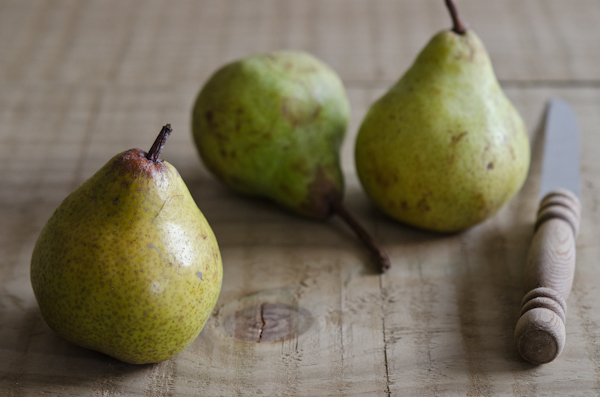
<point>560,164</point>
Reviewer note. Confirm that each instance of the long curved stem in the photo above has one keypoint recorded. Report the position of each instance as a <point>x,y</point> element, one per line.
<point>159,143</point>
<point>378,253</point>
<point>459,27</point>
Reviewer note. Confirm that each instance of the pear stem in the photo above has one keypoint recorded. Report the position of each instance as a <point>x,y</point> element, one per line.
<point>159,143</point>
<point>378,253</point>
<point>458,27</point>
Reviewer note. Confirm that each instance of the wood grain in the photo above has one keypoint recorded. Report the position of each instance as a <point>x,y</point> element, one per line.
<point>540,332</point>
<point>83,80</point>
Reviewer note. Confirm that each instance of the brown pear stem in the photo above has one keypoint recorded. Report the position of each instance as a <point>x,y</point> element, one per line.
<point>458,27</point>
<point>378,253</point>
<point>159,143</point>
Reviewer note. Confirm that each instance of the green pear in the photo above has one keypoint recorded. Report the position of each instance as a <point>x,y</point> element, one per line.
<point>444,148</point>
<point>271,126</point>
<point>127,264</point>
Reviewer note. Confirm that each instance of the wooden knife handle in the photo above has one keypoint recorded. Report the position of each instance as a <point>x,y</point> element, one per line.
<point>540,332</point>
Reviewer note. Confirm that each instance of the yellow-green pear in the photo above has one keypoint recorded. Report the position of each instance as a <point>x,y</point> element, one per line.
<point>271,125</point>
<point>444,148</point>
<point>127,264</point>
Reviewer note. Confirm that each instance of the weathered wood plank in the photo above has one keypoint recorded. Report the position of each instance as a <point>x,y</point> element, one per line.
<point>160,43</point>
<point>449,302</point>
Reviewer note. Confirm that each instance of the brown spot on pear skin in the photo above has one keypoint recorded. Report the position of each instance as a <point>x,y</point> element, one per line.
<point>423,205</point>
<point>455,138</point>
<point>134,162</point>
<point>285,188</point>
<point>287,111</point>
<point>490,166</point>
<point>321,193</point>
<point>209,116</point>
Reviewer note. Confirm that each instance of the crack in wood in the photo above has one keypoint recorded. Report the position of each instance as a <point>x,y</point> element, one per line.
<point>262,322</point>
<point>385,357</point>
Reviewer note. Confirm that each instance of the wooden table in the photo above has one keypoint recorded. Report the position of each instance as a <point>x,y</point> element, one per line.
<point>83,80</point>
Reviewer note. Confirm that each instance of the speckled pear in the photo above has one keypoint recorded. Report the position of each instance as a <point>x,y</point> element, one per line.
<point>444,148</point>
<point>127,264</point>
<point>271,125</point>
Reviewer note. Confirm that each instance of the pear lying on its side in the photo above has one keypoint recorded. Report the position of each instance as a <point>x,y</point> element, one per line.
<point>271,125</point>
<point>127,265</point>
<point>444,148</point>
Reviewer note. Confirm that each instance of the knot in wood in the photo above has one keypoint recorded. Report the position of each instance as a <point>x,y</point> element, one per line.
<point>268,322</point>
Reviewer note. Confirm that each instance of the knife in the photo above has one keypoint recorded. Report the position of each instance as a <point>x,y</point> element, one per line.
<point>540,331</point>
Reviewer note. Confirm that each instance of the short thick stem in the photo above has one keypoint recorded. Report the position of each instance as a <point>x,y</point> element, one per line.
<point>159,143</point>
<point>380,256</point>
<point>458,27</point>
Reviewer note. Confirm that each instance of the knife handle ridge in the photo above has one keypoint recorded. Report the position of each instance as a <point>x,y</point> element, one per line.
<point>540,332</point>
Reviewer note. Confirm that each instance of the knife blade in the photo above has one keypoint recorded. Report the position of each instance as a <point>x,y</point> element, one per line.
<point>560,162</point>
<point>540,332</point>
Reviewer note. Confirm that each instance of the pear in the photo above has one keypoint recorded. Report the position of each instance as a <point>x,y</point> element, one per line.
<point>444,148</point>
<point>271,126</point>
<point>127,264</point>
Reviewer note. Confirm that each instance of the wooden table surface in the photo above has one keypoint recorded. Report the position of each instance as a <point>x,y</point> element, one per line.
<point>83,80</point>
